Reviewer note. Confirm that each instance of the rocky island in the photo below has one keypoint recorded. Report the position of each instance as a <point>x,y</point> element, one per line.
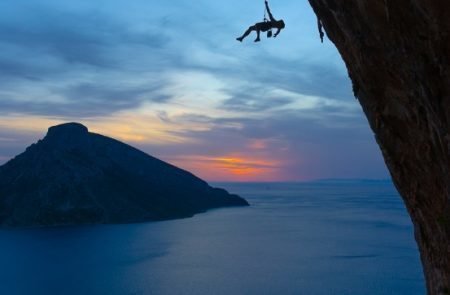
<point>73,176</point>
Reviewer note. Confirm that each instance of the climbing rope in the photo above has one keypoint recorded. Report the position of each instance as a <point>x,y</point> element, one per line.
<point>320,27</point>
<point>269,32</point>
<point>265,14</point>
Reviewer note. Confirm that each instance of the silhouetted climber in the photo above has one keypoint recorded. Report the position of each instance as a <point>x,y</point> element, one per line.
<point>265,26</point>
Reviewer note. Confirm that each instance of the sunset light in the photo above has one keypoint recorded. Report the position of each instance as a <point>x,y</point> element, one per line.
<point>230,168</point>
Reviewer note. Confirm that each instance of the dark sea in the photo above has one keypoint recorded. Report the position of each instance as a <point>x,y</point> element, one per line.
<point>331,237</point>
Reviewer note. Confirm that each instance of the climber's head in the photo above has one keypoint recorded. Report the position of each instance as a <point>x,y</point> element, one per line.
<point>279,24</point>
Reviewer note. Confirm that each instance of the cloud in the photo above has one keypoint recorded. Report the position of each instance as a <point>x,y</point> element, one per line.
<point>83,37</point>
<point>252,99</point>
<point>297,76</point>
<point>75,62</point>
<point>84,100</point>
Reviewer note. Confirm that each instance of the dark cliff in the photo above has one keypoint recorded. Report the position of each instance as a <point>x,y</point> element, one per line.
<point>76,177</point>
<point>397,54</point>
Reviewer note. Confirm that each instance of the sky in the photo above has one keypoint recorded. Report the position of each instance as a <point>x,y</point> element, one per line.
<point>169,78</point>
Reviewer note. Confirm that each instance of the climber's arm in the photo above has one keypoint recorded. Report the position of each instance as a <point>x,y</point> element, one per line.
<point>268,12</point>
<point>277,32</point>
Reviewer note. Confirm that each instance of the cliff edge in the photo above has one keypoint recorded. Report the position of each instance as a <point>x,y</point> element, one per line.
<point>398,56</point>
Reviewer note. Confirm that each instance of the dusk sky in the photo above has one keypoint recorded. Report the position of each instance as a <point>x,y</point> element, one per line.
<point>169,78</point>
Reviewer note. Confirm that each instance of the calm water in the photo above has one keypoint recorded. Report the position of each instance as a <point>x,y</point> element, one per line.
<point>322,238</point>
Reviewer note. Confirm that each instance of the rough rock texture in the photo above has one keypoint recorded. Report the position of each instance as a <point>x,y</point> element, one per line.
<point>397,53</point>
<point>76,177</point>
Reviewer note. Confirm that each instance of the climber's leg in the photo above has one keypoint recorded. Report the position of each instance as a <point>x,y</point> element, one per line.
<point>249,30</point>
<point>257,35</point>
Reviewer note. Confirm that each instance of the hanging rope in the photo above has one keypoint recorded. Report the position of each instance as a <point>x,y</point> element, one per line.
<point>320,27</point>
<point>265,14</point>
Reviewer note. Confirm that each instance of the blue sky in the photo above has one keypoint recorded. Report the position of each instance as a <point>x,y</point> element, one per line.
<point>169,78</point>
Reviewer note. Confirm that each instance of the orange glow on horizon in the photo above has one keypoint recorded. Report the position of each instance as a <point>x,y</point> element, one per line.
<point>240,166</point>
<point>229,168</point>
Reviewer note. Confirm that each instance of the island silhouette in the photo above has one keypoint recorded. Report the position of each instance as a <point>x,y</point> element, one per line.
<point>73,177</point>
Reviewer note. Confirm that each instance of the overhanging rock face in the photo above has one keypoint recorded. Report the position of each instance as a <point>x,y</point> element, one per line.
<point>397,53</point>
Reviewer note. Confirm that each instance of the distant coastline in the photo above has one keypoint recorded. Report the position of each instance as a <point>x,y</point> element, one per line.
<point>321,180</point>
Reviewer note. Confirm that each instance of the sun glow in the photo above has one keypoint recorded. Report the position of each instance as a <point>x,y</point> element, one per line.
<point>236,167</point>
<point>240,166</point>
